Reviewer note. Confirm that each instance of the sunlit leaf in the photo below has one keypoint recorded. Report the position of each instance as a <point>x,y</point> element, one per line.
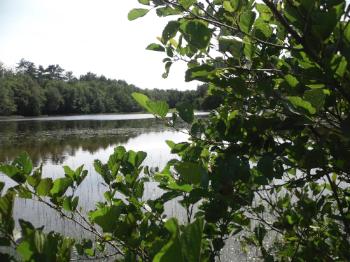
<point>301,103</point>
<point>137,13</point>
<point>246,21</point>
<point>187,3</point>
<point>60,186</point>
<point>155,47</point>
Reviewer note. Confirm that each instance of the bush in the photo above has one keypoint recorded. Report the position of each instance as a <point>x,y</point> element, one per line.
<point>268,167</point>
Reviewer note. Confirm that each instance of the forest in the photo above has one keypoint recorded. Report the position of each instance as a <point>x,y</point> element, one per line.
<point>31,90</point>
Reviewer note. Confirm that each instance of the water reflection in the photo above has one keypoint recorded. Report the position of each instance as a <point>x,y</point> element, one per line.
<point>52,141</point>
<point>79,142</point>
<point>74,141</point>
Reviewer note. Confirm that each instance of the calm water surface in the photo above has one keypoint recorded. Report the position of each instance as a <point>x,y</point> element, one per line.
<point>77,140</point>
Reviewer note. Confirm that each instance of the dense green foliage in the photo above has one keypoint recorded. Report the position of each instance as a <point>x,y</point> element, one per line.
<point>32,91</point>
<point>269,167</point>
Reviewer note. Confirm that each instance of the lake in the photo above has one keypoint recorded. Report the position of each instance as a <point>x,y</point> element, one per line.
<point>77,140</point>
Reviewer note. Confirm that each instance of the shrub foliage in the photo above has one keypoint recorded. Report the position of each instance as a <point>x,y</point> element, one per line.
<point>269,167</point>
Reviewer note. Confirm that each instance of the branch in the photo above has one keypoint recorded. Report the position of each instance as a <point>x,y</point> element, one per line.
<point>301,40</point>
<point>91,229</point>
<point>340,206</point>
<point>217,23</point>
<point>96,258</point>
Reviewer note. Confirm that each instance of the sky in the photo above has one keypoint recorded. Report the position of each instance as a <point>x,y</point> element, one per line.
<point>87,36</point>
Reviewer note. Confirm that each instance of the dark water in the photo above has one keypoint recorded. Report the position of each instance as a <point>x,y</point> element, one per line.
<point>54,140</point>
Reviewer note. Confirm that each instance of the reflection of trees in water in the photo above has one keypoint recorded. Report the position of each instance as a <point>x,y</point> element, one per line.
<point>54,140</point>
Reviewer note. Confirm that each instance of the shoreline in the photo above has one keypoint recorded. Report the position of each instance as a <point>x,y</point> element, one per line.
<point>92,117</point>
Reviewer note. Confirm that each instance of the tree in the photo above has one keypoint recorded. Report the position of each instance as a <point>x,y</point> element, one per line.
<point>7,103</point>
<point>60,92</point>
<point>69,76</point>
<point>54,72</point>
<point>54,98</point>
<point>28,95</point>
<point>268,167</point>
<point>276,145</point>
<point>27,67</point>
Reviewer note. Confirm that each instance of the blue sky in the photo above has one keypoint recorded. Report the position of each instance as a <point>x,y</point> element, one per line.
<point>86,35</point>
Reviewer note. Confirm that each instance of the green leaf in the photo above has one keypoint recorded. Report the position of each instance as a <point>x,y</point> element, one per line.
<point>155,47</point>
<point>260,233</point>
<point>323,23</point>
<point>297,101</point>
<point>292,15</point>
<point>142,100</point>
<point>70,203</point>
<point>159,108</point>
<point>44,187</point>
<point>190,172</point>
<point>187,3</point>
<point>144,2</point>
<point>13,172</point>
<point>347,34</point>
<point>140,157</point>
<point>60,186</point>
<point>291,80</point>
<point>137,13</point>
<point>23,192</point>
<point>265,166</point>
<point>228,7</point>
<point>313,159</point>
<point>115,159</point>
<point>339,65</point>
<point>167,69</point>
<point>69,172</point>
<point>24,162</point>
<point>136,159</point>
<point>106,217</point>
<point>34,179</point>
<point>2,185</point>
<point>264,12</point>
<point>248,48</point>
<point>25,250</point>
<point>200,73</point>
<point>191,240</point>
<point>170,31</point>
<point>185,110</point>
<point>167,11</point>
<point>170,143</point>
<point>6,207</point>
<point>236,4</point>
<point>262,29</point>
<point>316,97</point>
<point>196,33</point>
<point>177,148</point>
<point>170,251</point>
<point>246,20</point>
<point>230,45</point>
<point>103,171</point>
<point>183,188</point>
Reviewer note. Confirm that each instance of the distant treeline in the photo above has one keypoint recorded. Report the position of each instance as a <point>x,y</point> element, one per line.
<point>32,90</point>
